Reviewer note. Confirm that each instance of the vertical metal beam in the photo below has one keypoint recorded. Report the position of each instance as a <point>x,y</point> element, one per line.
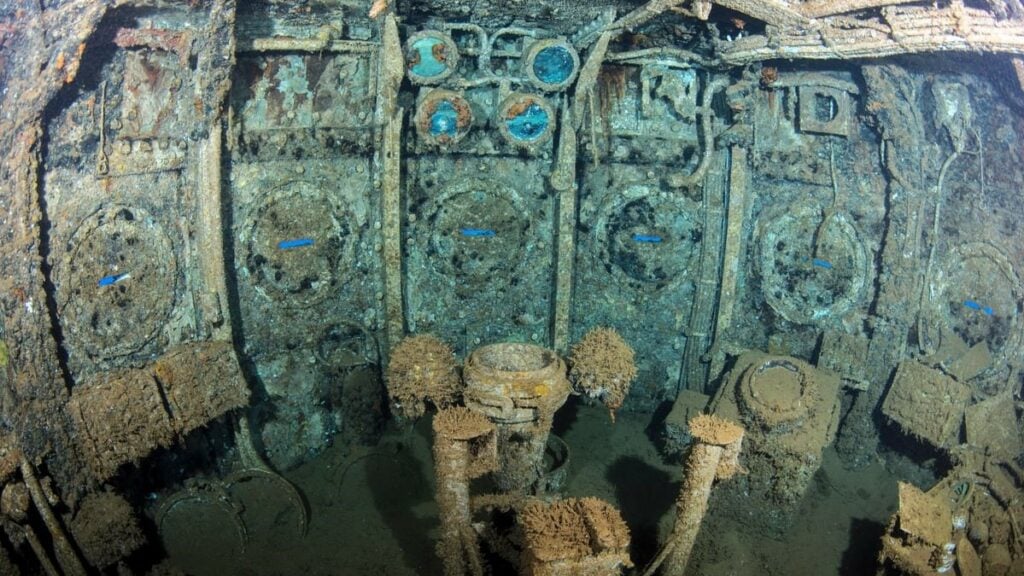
<point>563,179</point>
<point>698,335</point>
<point>389,164</point>
<point>210,239</point>
<point>391,228</point>
<point>735,216</point>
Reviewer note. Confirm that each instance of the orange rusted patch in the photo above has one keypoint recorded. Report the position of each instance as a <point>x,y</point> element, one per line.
<point>464,114</point>
<point>438,52</point>
<point>518,108</point>
<point>72,66</point>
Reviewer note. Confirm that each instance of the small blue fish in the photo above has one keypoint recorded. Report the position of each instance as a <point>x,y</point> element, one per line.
<point>647,238</point>
<point>821,263</point>
<point>972,304</point>
<point>477,232</point>
<point>296,243</point>
<point>988,310</point>
<point>112,279</point>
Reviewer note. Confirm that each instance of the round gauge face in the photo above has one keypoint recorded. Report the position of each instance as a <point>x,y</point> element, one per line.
<point>430,56</point>
<point>526,120</point>
<point>443,118</point>
<point>552,64</point>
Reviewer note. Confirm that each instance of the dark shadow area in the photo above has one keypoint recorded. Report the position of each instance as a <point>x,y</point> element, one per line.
<point>655,430</point>
<point>644,493</point>
<point>861,555</point>
<point>566,416</point>
<point>398,486</point>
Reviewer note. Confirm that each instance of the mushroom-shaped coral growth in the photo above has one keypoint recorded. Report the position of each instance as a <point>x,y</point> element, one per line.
<point>422,368</point>
<point>602,367</point>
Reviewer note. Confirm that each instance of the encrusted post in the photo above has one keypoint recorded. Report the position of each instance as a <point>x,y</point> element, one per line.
<point>389,116</point>
<point>465,447</point>
<point>714,456</point>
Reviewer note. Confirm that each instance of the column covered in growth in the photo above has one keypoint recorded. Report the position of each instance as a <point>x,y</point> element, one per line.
<point>465,447</point>
<point>713,456</point>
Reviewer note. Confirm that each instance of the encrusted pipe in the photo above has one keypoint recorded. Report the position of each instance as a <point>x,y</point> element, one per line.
<point>66,555</point>
<point>14,503</point>
<point>707,137</point>
<point>40,550</point>
<point>713,456</point>
<point>465,447</point>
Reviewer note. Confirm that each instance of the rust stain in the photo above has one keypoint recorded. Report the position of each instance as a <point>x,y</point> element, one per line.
<point>438,52</point>
<point>518,108</point>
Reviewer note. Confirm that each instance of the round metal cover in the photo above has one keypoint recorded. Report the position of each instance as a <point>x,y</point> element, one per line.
<point>812,269</point>
<point>298,246</point>
<point>978,295</point>
<point>479,229</point>
<point>526,120</point>
<point>777,392</point>
<point>117,284</point>
<point>650,237</point>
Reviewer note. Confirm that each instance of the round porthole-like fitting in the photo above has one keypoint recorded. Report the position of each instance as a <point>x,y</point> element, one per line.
<point>298,246</point>
<point>976,294</point>
<point>552,64</point>
<point>430,57</point>
<point>479,230</point>
<point>443,118</point>
<point>526,120</point>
